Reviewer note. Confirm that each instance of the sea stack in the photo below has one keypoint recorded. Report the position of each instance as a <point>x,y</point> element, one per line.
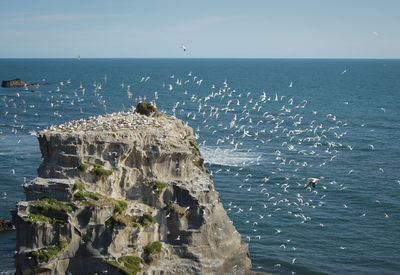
<point>124,193</point>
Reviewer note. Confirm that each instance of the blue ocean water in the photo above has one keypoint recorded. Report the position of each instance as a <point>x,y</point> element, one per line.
<point>263,125</point>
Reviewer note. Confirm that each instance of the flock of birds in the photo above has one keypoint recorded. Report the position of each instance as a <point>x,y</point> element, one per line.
<point>285,145</point>
<point>110,122</point>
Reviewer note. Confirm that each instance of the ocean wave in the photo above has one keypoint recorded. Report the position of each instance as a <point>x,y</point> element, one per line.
<point>228,156</point>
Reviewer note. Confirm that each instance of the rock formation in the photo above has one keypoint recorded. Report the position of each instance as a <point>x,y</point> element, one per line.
<point>124,193</point>
<point>15,83</point>
<point>5,225</point>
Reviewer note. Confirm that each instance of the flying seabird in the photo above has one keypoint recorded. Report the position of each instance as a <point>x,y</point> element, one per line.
<point>183,47</point>
<point>312,181</point>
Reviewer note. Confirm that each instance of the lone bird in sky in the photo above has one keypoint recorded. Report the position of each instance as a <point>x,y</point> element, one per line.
<point>183,47</point>
<point>312,181</point>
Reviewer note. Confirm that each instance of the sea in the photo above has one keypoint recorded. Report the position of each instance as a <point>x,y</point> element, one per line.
<point>263,127</point>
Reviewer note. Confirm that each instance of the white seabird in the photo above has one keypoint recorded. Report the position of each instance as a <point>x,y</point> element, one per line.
<point>312,181</point>
<point>183,47</point>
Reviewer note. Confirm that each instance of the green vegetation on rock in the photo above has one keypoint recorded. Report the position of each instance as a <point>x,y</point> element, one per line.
<point>195,149</point>
<point>80,195</point>
<point>153,247</point>
<point>94,196</point>
<point>120,220</point>
<point>147,219</point>
<point>128,265</point>
<point>47,205</point>
<point>159,186</point>
<point>98,200</point>
<point>120,206</point>
<point>82,168</point>
<point>46,253</point>
<point>146,108</point>
<point>97,169</point>
<point>150,249</point>
<point>95,165</point>
<point>34,218</point>
<point>80,186</point>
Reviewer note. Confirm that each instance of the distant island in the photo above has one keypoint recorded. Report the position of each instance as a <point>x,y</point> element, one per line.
<point>17,83</point>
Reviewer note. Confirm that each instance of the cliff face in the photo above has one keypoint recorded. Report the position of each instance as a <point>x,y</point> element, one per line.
<point>124,193</point>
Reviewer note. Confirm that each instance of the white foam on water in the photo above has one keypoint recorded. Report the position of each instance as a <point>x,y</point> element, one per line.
<point>228,156</point>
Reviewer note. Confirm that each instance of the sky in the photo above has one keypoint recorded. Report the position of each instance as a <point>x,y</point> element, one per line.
<point>208,29</point>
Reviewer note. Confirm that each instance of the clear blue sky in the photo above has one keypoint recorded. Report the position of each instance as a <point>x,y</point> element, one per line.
<point>215,29</point>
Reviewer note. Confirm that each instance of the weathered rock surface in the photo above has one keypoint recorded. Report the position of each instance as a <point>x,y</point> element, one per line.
<point>124,192</point>
<point>15,83</point>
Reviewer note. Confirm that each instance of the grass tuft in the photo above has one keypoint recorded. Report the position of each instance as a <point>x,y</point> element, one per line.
<point>97,200</point>
<point>34,218</point>
<point>147,219</point>
<point>46,205</point>
<point>46,253</point>
<point>98,171</point>
<point>159,186</point>
<point>80,186</point>
<point>153,247</point>
<point>128,265</point>
<point>80,195</point>
<point>82,168</point>
<point>120,206</point>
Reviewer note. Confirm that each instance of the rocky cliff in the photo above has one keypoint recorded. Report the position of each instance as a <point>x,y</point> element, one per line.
<point>124,193</point>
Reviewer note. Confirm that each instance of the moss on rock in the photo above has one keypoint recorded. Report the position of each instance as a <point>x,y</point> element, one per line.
<point>82,168</point>
<point>100,172</point>
<point>147,219</point>
<point>97,200</point>
<point>128,265</point>
<point>80,186</point>
<point>120,220</point>
<point>153,247</point>
<point>97,169</point>
<point>159,186</point>
<point>46,253</point>
<point>47,206</point>
<point>35,218</point>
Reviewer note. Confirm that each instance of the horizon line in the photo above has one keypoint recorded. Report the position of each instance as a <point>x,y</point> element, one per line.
<point>183,58</point>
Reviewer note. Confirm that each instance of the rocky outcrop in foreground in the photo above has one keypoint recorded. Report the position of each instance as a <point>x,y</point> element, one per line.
<point>5,225</point>
<point>124,193</point>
